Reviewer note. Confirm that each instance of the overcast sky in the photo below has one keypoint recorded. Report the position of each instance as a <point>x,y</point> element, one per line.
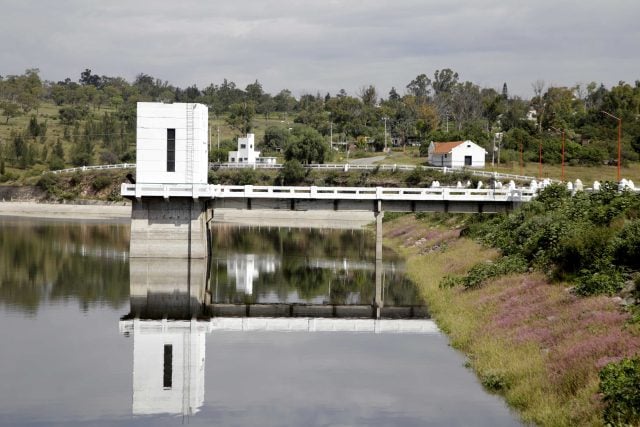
<point>325,45</point>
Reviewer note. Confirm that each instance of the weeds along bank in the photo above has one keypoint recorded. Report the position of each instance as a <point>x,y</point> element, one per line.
<point>545,311</point>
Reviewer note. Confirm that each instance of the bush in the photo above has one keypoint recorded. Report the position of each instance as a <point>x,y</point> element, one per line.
<point>627,246</point>
<point>49,183</point>
<point>247,176</point>
<point>292,172</point>
<point>605,281</point>
<point>480,273</point>
<point>620,388</point>
<point>101,182</point>
<point>415,177</point>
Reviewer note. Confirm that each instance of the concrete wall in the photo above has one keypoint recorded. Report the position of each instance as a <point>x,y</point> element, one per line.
<point>153,120</point>
<point>172,228</point>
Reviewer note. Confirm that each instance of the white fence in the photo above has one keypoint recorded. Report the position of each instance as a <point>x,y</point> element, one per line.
<point>99,167</point>
<point>328,166</point>
<point>392,168</point>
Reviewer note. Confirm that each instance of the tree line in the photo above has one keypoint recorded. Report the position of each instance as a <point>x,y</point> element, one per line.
<point>98,115</point>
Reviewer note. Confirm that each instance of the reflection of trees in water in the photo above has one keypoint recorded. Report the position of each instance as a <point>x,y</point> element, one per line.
<point>312,243</point>
<point>41,261</point>
<point>294,248</point>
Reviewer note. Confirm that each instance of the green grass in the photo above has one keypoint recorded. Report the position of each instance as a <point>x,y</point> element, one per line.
<point>544,381</point>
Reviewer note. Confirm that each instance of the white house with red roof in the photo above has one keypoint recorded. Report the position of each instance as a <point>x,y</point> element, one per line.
<point>456,154</point>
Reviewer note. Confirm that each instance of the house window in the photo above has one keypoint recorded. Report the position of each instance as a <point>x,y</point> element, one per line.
<point>243,145</point>
<point>445,156</point>
<point>171,150</point>
<point>467,160</point>
<point>167,375</point>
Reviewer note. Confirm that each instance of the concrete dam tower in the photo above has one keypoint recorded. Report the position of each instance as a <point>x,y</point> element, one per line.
<point>171,156</point>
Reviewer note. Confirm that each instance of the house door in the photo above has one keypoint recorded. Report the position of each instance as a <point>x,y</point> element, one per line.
<point>467,160</point>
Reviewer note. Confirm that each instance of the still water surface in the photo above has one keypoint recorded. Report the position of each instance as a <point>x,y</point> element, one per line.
<point>72,354</point>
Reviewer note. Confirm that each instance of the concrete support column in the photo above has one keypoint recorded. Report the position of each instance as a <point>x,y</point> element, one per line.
<point>168,228</point>
<point>379,303</point>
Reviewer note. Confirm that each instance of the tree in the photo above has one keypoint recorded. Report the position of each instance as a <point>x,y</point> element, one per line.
<point>368,95</point>
<point>275,138</point>
<point>537,102</point>
<point>444,81</point>
<point>292,172</point>
<point>86,78</point>
<point>9,110</point>
<point>307,146</point>
<point>240,116</point>
<point>393,94</point>
<point>254,92</point>
<point>419,88</point>
<point>284,101</point>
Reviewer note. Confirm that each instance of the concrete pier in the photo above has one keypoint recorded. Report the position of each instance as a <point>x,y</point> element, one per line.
<point>168,228</point>
<point>167,288</point>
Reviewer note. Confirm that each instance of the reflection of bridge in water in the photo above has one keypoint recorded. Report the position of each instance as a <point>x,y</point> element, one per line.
<point>170,318</point>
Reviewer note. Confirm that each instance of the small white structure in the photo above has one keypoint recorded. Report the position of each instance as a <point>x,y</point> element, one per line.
<point>456,154</point>
<point>171,143</point>
<point>247,154</point>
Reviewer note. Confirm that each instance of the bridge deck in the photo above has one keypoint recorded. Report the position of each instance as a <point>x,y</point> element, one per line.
<point>203,191</point>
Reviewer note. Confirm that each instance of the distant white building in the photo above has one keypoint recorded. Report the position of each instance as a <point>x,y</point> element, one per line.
<point>171,143</point>
<point>456,154</point>
<point>247,154</point>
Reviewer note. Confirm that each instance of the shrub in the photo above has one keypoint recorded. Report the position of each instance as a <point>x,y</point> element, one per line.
<point>100,182</point>
<point>620,388</point>
<point>627,246</point>
<point>605,281</point>
<point>292,173</point>
<point>480,273</point>
<point>493,381</point>
<point>415,177</point>
<point>450,282</point>
<point>49,182</point>
<point>247,176</point>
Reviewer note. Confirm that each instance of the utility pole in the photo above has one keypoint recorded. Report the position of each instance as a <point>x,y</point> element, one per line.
<point>218,137</point>
<point>331,135</point>
<point>385,133</point>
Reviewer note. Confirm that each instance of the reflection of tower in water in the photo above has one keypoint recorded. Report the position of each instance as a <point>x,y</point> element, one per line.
<point>247,267</point>
<point>168,365</point>
<point>168,343</point>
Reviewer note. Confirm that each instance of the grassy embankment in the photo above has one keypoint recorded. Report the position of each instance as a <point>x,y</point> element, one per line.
<point>535,343</point>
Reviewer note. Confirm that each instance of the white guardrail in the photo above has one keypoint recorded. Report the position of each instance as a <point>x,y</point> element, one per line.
<point>344,167</point>
<point>99,167</point>
<point>328,193</point>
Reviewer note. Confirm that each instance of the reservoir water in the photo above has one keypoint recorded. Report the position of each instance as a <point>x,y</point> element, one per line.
<point>91,337</point>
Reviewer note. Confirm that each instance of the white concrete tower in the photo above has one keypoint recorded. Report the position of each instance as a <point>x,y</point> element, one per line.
<point>171,143</point>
